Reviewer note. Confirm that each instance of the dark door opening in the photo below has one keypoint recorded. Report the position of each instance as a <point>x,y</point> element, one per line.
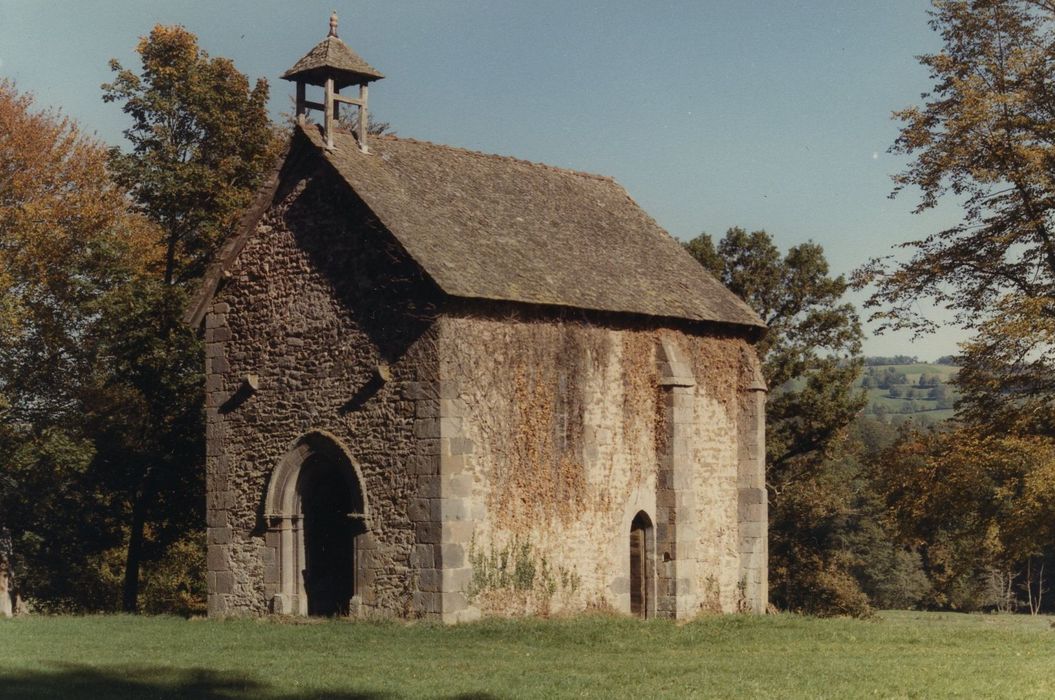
<point>330,532</point>
<point>639,564</point>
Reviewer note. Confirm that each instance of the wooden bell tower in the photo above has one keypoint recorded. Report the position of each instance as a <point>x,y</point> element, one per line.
<point>332,65</point>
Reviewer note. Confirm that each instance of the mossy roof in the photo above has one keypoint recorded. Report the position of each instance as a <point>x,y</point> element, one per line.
<point>492,227</point>
<point>497,228</point>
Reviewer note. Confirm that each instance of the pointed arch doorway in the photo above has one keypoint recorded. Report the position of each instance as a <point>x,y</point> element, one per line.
<point>642,569</point>
<point>316,511</point>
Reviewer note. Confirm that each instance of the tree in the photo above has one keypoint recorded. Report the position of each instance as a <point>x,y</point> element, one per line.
<point>69,244</point>
<point>201,142</point>
<point>973,505</point>
<point>984,137</point>
<point>811,359</point>
<point>201,138</point>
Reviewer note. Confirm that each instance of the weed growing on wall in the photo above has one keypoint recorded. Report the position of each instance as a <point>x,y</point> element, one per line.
<point>516,575</point>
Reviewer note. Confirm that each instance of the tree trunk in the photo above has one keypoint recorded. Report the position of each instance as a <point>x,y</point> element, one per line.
<point>1029,585</point>
<point>130,592</point>
<point>170,260</point>
<point>1040,586</point>
<point>7,583</point>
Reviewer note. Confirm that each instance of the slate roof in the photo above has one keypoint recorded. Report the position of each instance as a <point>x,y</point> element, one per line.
<point>491,227</point>
<point>331,56</point>
<point>497,228</point>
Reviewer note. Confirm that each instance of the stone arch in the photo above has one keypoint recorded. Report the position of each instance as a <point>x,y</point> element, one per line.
<point>284,517</point>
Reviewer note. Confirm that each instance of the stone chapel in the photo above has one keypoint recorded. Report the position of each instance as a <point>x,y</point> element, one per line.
<point>442,383</point>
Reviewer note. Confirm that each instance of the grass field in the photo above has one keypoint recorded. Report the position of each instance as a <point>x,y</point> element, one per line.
<point>922,407</point>
<point>898,655</point>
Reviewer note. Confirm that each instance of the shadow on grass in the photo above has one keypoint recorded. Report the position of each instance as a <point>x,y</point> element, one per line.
<point>76,681</point>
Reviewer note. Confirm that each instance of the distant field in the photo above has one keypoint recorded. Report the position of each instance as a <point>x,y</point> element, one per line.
<point>900,654</point>
<point>922,408</point>
<point>913,371</point>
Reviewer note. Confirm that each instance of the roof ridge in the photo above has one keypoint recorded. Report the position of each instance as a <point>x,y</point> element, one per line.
<point>485,154</point>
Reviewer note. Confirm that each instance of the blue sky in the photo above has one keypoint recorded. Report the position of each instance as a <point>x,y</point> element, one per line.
<point>771,115</point>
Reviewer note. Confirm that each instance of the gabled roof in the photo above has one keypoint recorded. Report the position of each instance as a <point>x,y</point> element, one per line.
<point>331,56</point>
<point>492,227</point>
<point>498,228</point>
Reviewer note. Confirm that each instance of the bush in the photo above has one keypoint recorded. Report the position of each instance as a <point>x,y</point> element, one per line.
<point>175,584</point>
<point>834,592</point>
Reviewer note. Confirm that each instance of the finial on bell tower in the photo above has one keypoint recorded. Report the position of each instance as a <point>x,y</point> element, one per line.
<point>331,65</point>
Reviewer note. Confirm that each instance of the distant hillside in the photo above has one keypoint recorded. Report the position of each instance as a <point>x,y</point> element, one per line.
<point>903,388</point>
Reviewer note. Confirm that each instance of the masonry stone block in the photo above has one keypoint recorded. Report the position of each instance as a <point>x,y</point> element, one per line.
<point>459,486</point>
<point>428,602</point>
<point>271,571</point>
<point>216,558</point>
<point>427,532</point>
<point>452,556</point>
<point>457,579</point>
<point>454,509</point>
<point>430,486</point>
<point>430,580</point>
<point>219,535</point>
<point>454,464</point>
<point>450,425</point>
<point>420,510</point>
<point>427,427</point>
<point>224,582</point>
<point>454,601</point>
<point>458,531</point>
<point>424,556</point>
<point>429,446</point>
<point>461,446</point>
<point>752,495</point>
<point>215,517</point>
<point>424,464</point>
<point>421,391</point>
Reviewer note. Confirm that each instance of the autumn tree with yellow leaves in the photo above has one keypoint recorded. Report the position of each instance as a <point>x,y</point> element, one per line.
<point>977,501</point>
<point>983,139</point>
<point>101,474</point>
<point>981,511</point>
<point>70,247</point>
<point>201,140</point>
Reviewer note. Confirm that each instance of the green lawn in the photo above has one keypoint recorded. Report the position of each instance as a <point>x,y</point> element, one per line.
<point>900,654</point>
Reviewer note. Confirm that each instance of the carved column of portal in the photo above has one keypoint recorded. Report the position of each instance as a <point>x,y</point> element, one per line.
<point>752,506</point>
<point>675,495</point>
<point>283,577</point>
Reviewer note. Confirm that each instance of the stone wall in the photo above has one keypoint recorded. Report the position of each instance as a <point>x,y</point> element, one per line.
<point>556,432</point>
<point>322,327</point>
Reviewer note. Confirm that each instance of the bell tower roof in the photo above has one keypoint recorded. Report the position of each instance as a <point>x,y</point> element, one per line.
<point>332,58</point>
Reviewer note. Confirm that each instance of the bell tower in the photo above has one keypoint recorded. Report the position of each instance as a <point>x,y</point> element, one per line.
<point>332,65</point>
